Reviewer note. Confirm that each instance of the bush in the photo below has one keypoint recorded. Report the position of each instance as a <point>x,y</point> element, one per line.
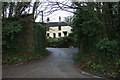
<point>52,42</point>
<point>22,36</point>
<point>39,38</point>
<point>9,31</point>
<point>63,42</point>
<point>103,53</point>
<point>12,27</point>
<point>107,47</point>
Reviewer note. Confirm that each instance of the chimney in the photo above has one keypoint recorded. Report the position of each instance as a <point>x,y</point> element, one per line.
<point>48,19</point>
<point>59,19</point>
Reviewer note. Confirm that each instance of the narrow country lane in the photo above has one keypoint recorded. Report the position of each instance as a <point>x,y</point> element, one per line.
<point>58,64</point>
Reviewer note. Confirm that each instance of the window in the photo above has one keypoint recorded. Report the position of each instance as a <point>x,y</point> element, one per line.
<point>54,35</point>
<point>59,34</point>
<point>48,34</point>
<point>59,27</point>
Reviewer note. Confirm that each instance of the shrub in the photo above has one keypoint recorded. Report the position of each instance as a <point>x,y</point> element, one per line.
<point>9,31</point>
<point>107,47</point>
<point>22,36</point>
<point>63,42</point>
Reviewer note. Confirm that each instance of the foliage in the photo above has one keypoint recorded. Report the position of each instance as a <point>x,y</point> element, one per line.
<point>63,42</point>
<point>22,36</point>
<point>12,27</point>
<point>40,38</point>
<point>118,62</point>
<point>98,37</point>
<point>20,59</point>
<point>107,47</point>
<point>9,30</point>
<point>86,26</point>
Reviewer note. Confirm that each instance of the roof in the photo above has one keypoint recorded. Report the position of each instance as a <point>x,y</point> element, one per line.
<point>54,24</point>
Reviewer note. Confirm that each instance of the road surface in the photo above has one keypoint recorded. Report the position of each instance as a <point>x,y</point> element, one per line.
<point>59,64</point>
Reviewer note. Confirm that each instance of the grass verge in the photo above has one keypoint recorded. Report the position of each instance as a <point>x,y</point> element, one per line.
<point>91,65</point>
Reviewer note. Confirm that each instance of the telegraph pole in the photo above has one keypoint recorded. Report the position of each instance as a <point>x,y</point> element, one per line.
<point>42,16</point>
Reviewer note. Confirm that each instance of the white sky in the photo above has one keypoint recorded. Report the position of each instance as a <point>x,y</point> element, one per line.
<point>54,17</point>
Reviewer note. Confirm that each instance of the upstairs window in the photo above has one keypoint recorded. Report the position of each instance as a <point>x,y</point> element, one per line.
<point>59,27</point>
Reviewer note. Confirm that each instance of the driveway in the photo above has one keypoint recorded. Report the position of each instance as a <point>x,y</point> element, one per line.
<point>59,64</point>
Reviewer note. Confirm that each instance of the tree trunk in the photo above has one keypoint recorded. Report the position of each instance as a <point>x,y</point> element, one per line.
<point>108,20</point>
<point>11,9</point>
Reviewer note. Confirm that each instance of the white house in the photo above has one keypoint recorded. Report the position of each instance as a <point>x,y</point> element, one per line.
<point>58,29</point>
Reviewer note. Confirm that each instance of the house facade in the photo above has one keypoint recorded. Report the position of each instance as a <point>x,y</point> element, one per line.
<point>58,29</point>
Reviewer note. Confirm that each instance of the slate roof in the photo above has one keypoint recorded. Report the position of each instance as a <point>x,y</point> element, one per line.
<point>55,24</point>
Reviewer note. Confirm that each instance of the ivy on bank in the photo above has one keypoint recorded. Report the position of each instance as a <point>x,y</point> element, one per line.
<point>22,38</point>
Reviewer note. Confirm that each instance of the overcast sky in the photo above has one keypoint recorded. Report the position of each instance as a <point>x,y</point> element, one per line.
<point>54,17</point>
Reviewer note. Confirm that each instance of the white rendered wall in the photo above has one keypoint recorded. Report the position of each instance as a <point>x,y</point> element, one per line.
<point>56,31</point>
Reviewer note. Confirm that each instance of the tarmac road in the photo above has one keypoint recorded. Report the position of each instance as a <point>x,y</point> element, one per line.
<point>59,64</point>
